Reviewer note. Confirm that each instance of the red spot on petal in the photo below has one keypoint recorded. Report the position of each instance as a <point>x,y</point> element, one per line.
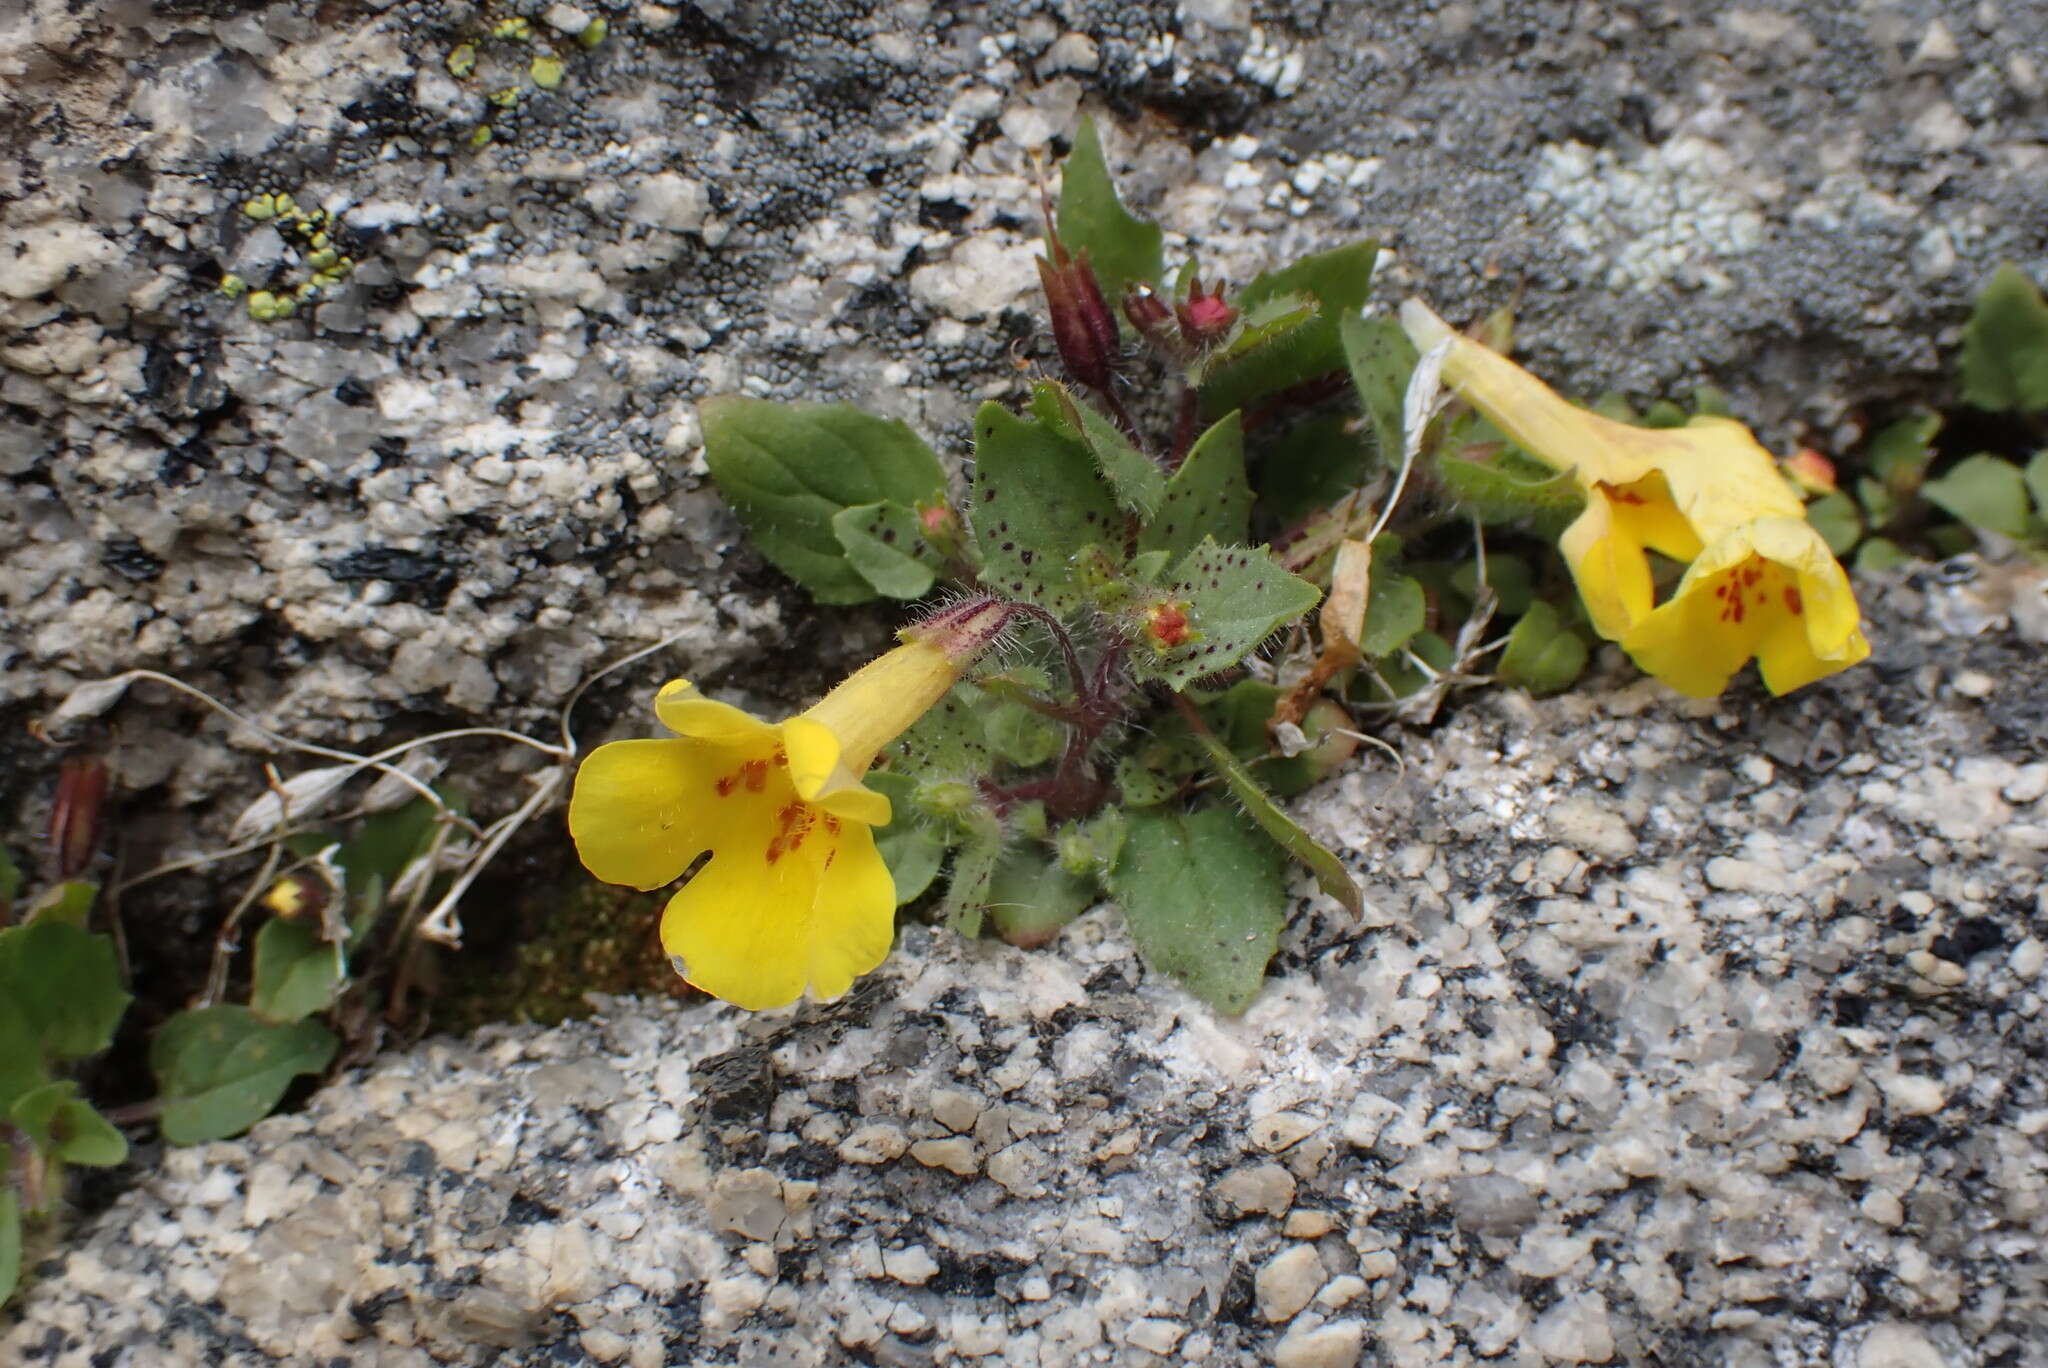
<point>726,785</point>
<point>1794,602</point>
<point>756,775</point>
<point>831,824</point>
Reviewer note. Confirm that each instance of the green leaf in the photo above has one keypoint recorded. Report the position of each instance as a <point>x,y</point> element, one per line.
<point>21,1055</point>
<point>1139,785</point>
<point>222,1069</point>
<point>2037,481</point>
<point>1314,464</point>
<point>10,1238</point>
<point>1901,453</point>
<point>1031,897</point>
<point>1512,580</point>
<point>67,985</point>
<point>1037,504</point>
<point>1543,655</point>
<point>1121,246</point>
<point>10,883</point>
<point>1983,491</point>
<point>912,849</point>
<point>387,842</point>
<point>1135,478</point>
<point>1513,491</point>
<point>1381,359</point>
<point>1881,553</point>
<point>1089,850</point>
<point>64,1125</point>
<point>2005,346</point>
<point>296,972</point>
<point>1236,597</point>
<point>1338,281</point>
<point>1837,520</point>
<point>974,865</point>
<point>885,546</point>
<point>1270,818</point>
<point>1147,566</point>
<point>70,902</point>
<point>1021,736</point>
<point>788,469</point>
<point>1207,497</point>
<point>949,741</point>
<point>1396,610</point>
<point>1203,895</point>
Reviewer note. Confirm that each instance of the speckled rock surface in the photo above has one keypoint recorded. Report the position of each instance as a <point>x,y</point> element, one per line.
<point>1675,1035</point>
<point>451,487</point>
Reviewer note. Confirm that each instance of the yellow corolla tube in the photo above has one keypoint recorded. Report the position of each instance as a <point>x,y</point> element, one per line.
<point>795,897</point>
<point>1707,493</point>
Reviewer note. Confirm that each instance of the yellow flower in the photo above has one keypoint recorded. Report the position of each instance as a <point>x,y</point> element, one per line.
<point>1706,493</point>
<point>1771,590</point>
<point>795,896</point>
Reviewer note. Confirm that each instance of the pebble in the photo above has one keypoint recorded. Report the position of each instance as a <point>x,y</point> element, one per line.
<point>1574,1331</point>
<point>1335,1345</point>
<point>1912,1094</point>
<point>954,1154</point>
<point>1256,1188</point>
<point>1287,1282</point>
<point>877,1142</point>
<point>1154,1335</point>
<point>1898,1344</point>
<point>914,1265</point>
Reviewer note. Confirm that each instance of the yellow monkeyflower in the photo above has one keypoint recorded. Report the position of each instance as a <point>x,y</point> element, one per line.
<point>1706,493</point>
<point>795,896</point>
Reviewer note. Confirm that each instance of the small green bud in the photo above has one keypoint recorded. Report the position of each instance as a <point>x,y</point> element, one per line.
<point>948,798</point>
<point>462,61</point>
<point>547,72</point>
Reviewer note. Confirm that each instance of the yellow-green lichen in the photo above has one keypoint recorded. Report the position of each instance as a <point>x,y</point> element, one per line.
<point>516,29</point>
<point>547,72</point>
<point>462,61</point>
<point>233,286</point>
<point>594,33</point>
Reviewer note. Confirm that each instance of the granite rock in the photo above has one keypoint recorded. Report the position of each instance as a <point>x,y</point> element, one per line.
<point>1544,1105</point>
<point>452,486</point>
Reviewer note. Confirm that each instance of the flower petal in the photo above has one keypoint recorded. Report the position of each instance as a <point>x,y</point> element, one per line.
<point>1609,567</point>
<point>858,803</point>
<point>638,813</point>
<point>756,932</point>
<point>1689,642</point>
<point>813,750</point>
<point>684,710</point>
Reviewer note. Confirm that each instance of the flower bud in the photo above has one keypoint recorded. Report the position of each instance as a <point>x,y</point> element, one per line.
<point>1082,327</point>
<point>1153,320</point>
<point>297,897</point>
<point>76,815</point>
<point>1810,472</point>
<point>1166,625</point>
<point>942,529</point>
<point>1204,317</point>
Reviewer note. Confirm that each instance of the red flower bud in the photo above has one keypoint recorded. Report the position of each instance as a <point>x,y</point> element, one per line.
<point>1153,320</point>
<point>1204,318</point>
<point>1166,625</point>
<point>1082,327</point>
<point>76,815</point>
